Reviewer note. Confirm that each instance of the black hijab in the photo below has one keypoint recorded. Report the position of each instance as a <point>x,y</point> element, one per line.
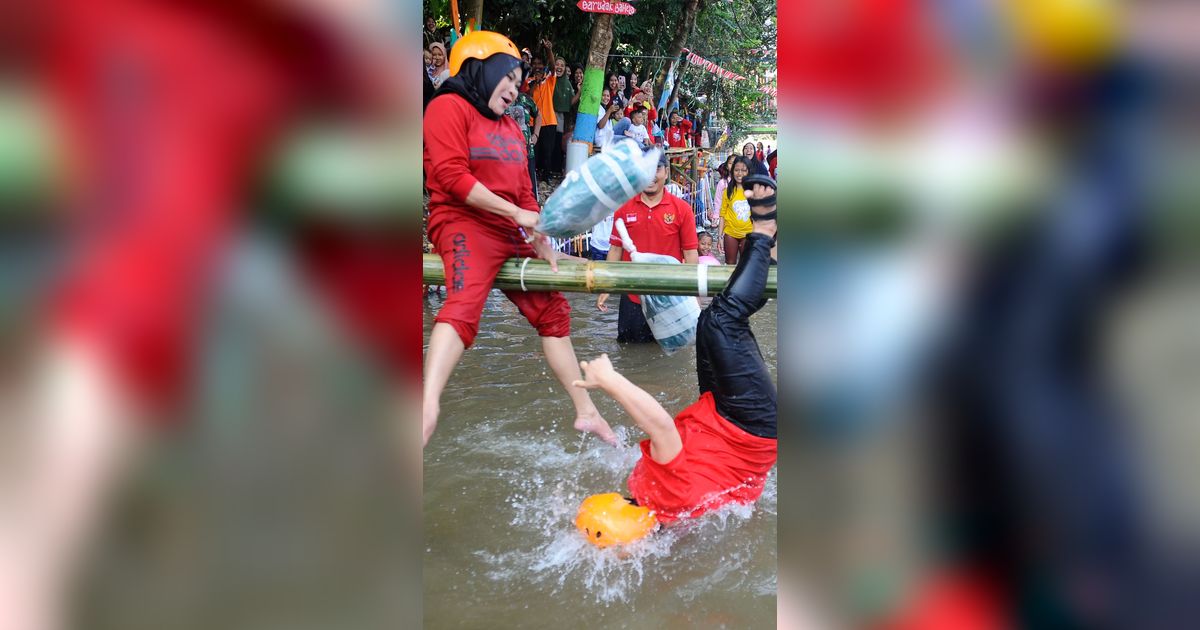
<point>477,79</point>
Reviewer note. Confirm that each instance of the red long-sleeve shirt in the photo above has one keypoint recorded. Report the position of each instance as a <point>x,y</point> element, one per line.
<point>462,147</point>
<point>719,463</point>
<point>677,135</point>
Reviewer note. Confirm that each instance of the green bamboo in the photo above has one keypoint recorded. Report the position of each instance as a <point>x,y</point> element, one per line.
<point>606,277</point>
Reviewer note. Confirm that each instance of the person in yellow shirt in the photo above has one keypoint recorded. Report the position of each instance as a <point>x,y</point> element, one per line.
<point>734,223</point>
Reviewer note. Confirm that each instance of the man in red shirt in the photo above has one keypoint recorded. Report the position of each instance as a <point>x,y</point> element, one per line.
<point>659,223</point>
<point>721,448</point>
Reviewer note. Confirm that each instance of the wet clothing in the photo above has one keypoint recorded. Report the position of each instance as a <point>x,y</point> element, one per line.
<point>463,147</point>
<point>729,434</point>
<point>632,326</point>
<point>472,254</point>
<point>728,360</point>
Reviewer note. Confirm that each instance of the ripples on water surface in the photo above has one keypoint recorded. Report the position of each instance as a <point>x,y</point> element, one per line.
<point>505,473</point>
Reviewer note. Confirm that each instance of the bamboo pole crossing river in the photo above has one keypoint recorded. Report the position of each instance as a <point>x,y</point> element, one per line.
<point>602,277</point>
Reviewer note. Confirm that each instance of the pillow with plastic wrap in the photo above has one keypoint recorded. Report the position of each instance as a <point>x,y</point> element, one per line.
<point>672,318</point>
<point>598,187</point>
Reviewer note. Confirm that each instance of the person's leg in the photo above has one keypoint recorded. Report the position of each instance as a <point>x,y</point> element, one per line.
<point>445,350</point>
<point>632,326</point>
<point>741,383</point>
<point>533,177</point>
<point>550,314</point>
<point>471,257</point>
<point>727,353</point>
<point>646,412</point>
<point>560,152</point>
<point>732,247</point>
<point>560,355</point>
<point>70,444</point>
<point>555,150</point>
<point>542,152</point>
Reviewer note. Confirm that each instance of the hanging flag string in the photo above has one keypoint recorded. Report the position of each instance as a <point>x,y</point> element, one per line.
<point>697,60</point>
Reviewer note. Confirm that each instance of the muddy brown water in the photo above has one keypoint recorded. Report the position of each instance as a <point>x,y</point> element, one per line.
<point>505,473</point>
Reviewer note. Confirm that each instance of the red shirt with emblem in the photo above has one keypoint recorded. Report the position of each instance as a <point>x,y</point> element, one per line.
<point>462,147</point>
<point>667,228</point>
<point>719,464</point>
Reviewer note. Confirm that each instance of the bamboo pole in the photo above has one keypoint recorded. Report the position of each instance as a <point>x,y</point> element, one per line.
<point>601,277</point>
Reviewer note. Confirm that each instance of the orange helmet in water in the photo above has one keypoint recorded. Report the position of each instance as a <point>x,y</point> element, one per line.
<point>610,519</point>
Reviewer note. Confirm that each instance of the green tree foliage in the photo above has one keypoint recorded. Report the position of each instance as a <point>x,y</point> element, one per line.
<point>739,35</point>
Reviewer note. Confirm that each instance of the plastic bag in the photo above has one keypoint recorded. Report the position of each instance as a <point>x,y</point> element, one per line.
<point>672,318</point>
<point>598,187</point>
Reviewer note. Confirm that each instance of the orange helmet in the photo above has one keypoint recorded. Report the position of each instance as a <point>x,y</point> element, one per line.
<point>609,519</point>
<point>480,45</point>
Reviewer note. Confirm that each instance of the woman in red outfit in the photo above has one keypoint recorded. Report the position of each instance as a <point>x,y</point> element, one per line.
<point>481,212</point>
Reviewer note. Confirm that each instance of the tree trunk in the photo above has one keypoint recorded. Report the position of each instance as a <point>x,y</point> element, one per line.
<point>682,30</point>
<point>593,78</point>
<point>471,9</point>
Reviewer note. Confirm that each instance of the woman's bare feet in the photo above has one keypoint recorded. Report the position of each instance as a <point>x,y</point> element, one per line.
<point>593,422</point>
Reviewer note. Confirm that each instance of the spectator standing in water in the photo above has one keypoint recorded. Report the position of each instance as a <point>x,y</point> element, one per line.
<point>659,223</point>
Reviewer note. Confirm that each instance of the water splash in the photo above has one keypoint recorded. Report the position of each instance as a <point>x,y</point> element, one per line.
<point>546,493</point>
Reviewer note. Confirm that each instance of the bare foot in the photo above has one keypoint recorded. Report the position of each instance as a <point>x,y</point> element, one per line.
<point>593,422</point>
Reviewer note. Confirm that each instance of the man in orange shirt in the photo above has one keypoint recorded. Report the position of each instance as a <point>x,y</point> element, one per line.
<point>541,86</point>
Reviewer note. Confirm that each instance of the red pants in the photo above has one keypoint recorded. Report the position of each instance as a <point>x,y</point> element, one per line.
<point>472,254</point>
